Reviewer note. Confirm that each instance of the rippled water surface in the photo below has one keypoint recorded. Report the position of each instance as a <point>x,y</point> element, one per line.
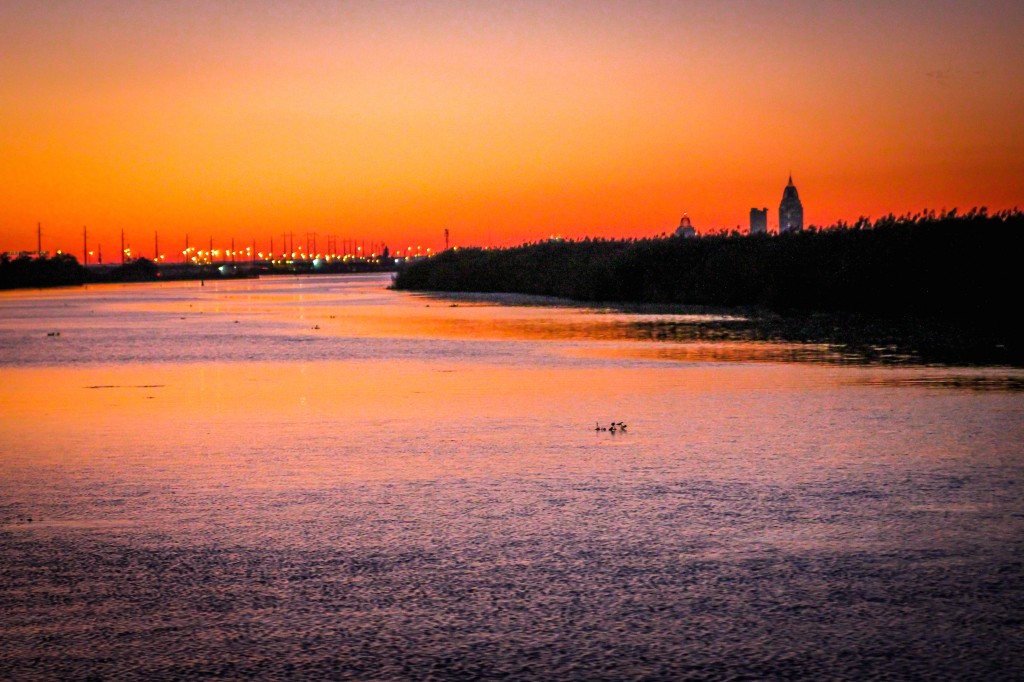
<point>321,478</point>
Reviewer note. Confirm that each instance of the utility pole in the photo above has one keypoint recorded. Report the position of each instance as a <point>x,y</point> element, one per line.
<point>122,247</point>
<point>85,246</point>
<point>446,239</point>
<point>232,249</point>
<point>156,247</point>
<point>39,239</point>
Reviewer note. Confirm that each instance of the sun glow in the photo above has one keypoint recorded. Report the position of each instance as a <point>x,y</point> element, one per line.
<point>502,124</point>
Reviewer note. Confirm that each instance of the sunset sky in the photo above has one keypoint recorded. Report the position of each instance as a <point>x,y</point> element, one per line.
<point>501,121</point>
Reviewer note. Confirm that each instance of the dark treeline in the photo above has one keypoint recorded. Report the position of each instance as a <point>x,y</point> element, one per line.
<point>64,270</point>
<point>25,271</point>
<point>948,265</point>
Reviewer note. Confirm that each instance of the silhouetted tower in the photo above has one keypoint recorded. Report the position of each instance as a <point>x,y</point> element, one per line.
<point>686,228</point>
<point>446,239</point>
<point>791,211</point>
<point>758,220</point>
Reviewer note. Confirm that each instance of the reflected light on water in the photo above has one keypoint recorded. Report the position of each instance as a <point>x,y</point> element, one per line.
<point>199,482</point>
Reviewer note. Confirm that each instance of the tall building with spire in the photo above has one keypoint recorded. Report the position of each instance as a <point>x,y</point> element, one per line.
<point>791,211</point>
<point>686,228</point>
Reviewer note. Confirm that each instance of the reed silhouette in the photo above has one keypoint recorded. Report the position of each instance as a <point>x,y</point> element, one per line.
<point>946,265</point>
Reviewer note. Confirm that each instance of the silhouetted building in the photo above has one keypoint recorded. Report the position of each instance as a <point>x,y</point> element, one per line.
<point>758,220</point>
<point>791,211</point>
<point>685,228</point>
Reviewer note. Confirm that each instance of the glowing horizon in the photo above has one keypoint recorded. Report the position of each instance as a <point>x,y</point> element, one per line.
<point>391,122</point>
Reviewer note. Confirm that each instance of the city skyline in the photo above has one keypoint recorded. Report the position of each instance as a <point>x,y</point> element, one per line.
<point>395,122</point>
<point>790,219</point>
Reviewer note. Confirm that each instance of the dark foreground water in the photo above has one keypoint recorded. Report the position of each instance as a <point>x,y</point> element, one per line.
<point>322,479</point>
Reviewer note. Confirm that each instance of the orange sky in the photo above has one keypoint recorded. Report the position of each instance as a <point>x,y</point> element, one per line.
<point>503,122</point>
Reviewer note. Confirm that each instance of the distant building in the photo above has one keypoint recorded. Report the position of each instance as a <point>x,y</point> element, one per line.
<point>33,255</point>
<point>685,228</point>
<point>791,211</point>
<point>758,220</point>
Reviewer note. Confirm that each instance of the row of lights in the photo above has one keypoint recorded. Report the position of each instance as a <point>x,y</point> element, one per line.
<point>206,256</point>
<point>200,255</point>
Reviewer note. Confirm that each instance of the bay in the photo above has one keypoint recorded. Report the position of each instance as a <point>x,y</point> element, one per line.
<point>317,477</point>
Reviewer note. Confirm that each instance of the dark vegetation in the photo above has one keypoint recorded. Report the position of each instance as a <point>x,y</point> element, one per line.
<point>64,270</point>
<point>29,271</point>
<point>135,270</point>
<point>946,264</point>
<point>949,280</point>
<point>25,271</point>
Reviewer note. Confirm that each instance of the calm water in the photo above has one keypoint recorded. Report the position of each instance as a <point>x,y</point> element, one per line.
<point>320,478</point>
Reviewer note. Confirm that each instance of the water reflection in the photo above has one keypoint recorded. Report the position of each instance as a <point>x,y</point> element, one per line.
<point>832,338</point>
<point>956,381</point>
<point>202,483</point>
<point>289,318</point>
